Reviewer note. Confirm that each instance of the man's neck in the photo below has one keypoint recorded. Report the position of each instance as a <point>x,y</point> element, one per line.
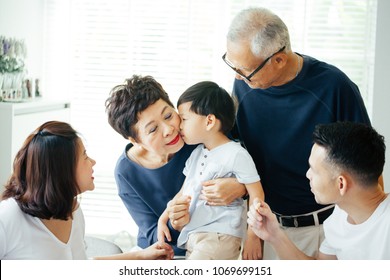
<point>363,204</point>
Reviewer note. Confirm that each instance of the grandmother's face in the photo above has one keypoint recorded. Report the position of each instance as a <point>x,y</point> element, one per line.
<point>158,129</point>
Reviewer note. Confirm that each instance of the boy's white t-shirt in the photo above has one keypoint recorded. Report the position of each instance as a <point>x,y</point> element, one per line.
<point>366,241</point>
<point>25,237</point>
<point>227,160</point>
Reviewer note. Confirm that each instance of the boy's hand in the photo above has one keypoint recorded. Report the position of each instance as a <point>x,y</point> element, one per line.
<point>178,212</point>
<point>163,232</point>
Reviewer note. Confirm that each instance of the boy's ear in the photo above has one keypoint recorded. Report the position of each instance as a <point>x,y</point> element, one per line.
<point>210,121</point>
<point>132,140</point>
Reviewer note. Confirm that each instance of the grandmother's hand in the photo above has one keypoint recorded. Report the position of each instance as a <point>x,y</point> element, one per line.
<point>178,212</point>
<point>222,191</point>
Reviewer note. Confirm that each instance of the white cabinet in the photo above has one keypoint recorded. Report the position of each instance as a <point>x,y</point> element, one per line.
<point>18,120</point>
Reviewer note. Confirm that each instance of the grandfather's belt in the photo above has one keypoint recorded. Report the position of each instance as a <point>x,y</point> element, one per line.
<point>310,219</point>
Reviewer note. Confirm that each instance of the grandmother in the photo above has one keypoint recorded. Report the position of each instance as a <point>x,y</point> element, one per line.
<point>149,172</point>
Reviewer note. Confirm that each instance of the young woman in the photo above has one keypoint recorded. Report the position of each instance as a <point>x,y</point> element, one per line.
<point>40,217</point>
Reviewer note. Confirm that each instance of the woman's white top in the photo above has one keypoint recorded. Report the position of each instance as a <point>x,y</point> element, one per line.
<point>25,237</point>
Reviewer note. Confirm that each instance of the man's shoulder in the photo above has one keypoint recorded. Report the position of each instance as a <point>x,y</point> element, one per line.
<point>315,65</point>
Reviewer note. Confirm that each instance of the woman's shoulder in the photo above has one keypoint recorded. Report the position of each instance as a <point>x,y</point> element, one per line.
<point>9,205</point>
<point>124,164</point>
<point>127,168</point>
<point>10,212</point>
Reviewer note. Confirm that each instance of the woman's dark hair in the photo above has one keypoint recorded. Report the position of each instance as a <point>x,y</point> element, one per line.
<point>43,181</point>
<point>354,147</point>
<point>128,100</point>
<point>209,98</point>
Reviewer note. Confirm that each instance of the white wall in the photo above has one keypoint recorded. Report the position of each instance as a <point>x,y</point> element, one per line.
<point>23,19</point>
<point>381,99</point>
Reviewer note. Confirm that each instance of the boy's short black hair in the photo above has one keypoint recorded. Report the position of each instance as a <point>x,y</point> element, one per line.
<point>209,98</point>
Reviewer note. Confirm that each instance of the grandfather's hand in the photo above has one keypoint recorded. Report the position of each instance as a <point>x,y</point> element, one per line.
<point>222,191</point>
<point>178,212</point>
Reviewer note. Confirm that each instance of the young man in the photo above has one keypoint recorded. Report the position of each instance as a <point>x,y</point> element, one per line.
<point>346,163</point>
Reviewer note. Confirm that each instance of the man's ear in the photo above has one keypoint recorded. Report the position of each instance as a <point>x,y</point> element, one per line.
<point>210,121</point>
<point>381,182</point>
<point>343,184</point>
<point>281,59</point>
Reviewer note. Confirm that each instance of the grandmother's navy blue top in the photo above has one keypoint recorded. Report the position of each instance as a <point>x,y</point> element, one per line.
<point>276,126</point>
<point>146,192</point>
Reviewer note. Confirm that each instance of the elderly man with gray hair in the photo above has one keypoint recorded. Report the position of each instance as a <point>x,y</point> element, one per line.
<point>281,96</point>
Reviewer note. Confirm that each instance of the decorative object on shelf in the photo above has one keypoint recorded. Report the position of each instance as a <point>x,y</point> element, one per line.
<point>12,68</point>
<point>29,88</point>
<point>37,89</point>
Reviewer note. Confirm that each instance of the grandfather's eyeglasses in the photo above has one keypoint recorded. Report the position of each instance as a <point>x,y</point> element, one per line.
<point>239,72</point>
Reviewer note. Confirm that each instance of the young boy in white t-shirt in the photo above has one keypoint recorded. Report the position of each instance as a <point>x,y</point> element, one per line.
<point>207,114</point>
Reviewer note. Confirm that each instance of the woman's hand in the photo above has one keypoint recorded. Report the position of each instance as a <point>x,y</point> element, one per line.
<point>157,251</point>
<point>222,191</point>
<point>178,211</point>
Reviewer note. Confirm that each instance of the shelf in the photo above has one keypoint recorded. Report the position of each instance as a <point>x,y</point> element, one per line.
<point>18,120</point>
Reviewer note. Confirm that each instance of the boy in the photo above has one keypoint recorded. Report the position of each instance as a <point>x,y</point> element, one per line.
<point>207,115</point>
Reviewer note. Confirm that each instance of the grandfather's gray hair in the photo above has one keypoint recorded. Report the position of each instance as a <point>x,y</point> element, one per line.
<point>265,31</point>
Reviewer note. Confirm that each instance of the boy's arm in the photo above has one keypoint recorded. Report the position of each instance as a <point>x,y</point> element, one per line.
<point>253,244</point>
<point>255,190</point>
